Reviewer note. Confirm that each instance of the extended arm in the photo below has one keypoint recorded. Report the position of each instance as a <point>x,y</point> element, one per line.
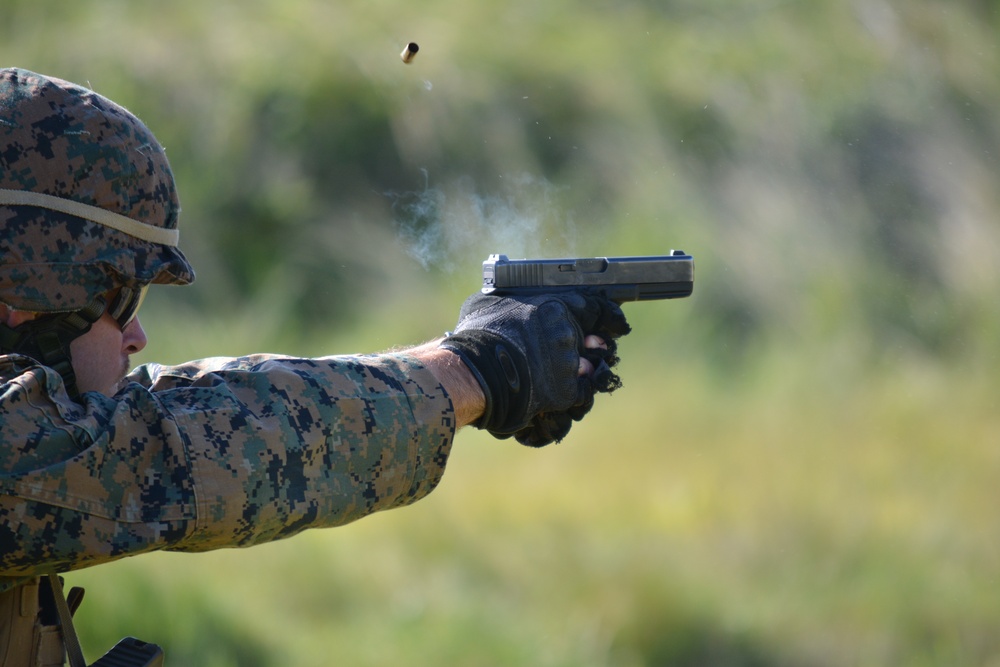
<point>214,453</point>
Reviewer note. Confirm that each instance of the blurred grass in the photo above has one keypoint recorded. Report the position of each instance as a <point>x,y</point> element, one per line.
<point>801,468</point>
<point>694,519</point>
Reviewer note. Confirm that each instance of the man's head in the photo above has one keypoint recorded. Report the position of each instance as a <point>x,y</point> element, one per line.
<point>87,202</point>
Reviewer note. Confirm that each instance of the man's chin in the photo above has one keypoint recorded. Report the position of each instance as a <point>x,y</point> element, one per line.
<point>121,382</point>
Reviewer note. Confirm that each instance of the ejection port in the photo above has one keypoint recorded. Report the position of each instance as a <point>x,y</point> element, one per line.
<point>591,265</point>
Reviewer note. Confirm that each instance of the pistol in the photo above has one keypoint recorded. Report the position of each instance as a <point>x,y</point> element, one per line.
<point>619,279</point>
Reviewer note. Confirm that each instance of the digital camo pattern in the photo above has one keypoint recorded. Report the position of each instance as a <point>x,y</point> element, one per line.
<point>210,454</point>
<point>60,139</point>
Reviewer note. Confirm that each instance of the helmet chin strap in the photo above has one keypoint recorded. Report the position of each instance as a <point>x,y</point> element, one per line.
<point>46,339</point>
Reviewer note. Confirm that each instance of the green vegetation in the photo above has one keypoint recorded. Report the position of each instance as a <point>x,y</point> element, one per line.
<point>802,466</point>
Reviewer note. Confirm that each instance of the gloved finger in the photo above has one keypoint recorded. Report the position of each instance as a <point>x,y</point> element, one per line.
<point>545,429</point>
<point>596,314</point>
<point>603,379</point>
<point>586,402</point>
<point>585,308</point>
<point>611,321</point>
<point>551,427</point>
<point>548,427</point>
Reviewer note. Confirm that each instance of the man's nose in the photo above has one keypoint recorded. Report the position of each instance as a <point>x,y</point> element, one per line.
<point>134,337</point>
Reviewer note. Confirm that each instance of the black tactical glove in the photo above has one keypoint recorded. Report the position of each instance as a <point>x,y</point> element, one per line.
<point>525,352</point>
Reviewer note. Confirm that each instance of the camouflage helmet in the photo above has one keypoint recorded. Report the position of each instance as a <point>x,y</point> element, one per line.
<point>87,198</point>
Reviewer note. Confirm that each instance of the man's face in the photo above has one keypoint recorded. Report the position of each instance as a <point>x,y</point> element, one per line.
<point>101,356</point>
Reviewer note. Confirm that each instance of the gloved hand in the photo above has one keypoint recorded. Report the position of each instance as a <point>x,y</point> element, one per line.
<point>525,352</point>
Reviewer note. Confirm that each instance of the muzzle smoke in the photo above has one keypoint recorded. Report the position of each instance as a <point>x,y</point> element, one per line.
<point>524,217</point>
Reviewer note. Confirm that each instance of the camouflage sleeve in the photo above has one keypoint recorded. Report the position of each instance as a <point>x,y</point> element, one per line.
<point>215,453</point>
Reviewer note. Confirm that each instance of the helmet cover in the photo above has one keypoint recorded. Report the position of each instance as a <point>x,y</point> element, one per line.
<point>87,197</point>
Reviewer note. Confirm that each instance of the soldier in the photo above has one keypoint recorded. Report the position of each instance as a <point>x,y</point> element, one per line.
<point>98,463</point>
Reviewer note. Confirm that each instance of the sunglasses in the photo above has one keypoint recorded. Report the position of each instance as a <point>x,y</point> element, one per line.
<point>124,304</point>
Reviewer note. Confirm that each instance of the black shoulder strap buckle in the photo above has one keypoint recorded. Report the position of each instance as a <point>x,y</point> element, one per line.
<point>129,652</point>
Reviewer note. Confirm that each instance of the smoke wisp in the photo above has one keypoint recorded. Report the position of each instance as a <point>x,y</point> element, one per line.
<point>522,217</point>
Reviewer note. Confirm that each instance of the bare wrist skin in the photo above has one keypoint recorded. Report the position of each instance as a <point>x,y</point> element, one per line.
<point>456,378</point>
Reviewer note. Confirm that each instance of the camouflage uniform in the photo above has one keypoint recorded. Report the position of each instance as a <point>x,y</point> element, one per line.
<point>209,454</point>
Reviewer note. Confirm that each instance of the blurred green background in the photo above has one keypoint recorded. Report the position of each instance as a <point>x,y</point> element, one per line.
<point>803,465</point>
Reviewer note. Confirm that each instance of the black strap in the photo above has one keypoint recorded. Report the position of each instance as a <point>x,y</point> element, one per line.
<point>72,642</point>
